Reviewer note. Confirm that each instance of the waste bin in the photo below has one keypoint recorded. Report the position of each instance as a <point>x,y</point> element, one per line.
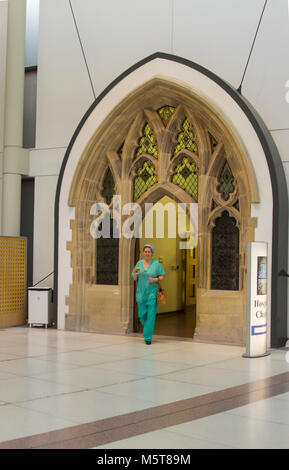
<point>40,306</point>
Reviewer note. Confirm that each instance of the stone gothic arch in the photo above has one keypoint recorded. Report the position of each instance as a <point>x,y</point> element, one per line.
<point>191,133</point>
<point>113,145</point>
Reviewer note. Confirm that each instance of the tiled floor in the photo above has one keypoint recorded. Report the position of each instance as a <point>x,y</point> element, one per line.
<point>99,389</point>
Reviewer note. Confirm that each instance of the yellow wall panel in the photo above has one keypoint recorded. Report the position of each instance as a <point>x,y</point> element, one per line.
<point>12,281</point>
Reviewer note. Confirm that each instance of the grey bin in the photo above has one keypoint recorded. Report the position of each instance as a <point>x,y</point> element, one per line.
<point>40,306</point>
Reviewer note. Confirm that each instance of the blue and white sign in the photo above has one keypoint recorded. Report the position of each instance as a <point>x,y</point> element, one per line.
<point>257,255</point>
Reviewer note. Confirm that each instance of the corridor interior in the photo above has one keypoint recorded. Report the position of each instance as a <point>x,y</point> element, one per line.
<point>177,324</point>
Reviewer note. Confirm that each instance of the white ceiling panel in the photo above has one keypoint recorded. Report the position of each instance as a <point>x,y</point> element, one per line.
<point>117,34</point>
<point>64,91</point>
<point>268,70</point>
<point>216,34</point>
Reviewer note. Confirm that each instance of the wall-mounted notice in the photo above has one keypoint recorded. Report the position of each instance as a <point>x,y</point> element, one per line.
<point>256,344</point>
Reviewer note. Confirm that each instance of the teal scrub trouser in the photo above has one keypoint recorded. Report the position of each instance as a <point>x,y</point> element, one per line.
<point>147,314</point>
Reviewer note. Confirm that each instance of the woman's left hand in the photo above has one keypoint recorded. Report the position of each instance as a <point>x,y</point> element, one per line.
<point>153,279</point>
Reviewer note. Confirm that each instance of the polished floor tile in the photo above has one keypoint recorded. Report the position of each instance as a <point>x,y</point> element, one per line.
<point>17,422</point>
<point>32,367</point>
<point>157,390</point>
<point>262,367</point>
<point>54,380</point>
<point>164,440</point>
<point>22,389</point>
<point>86,406</point>
<point>271,410</point>
<point>141,366</point>
<point>241,432</point>
<point>207,376</point>
<point>88,377</point>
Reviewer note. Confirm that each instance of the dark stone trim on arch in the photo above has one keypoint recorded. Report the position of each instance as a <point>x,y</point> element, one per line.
<point>279,188</point>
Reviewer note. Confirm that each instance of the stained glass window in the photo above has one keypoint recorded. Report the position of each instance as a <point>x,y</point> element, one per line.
<point>226,182</point>
<point>225,254</point>
<point>186,176</point>
<point>147,143</point>
<point>165,113</point>
<point>107,259</point>
<point>146,177</point>
<point>186,139</point>
<point>108,187</point>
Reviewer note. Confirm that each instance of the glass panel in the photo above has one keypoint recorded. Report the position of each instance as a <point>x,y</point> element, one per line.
<point>261,275</point>
<point>186,177</point>
<point>107,259</point>
<point>146,177</point>
<point>186,139</point>
<point>226,180</point>
<point>108,187</point>
<point>225,254</point>
<point>147,143</point>
<point>165,113</point>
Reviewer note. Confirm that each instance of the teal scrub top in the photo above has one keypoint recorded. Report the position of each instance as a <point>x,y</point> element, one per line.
<point>147,290</point>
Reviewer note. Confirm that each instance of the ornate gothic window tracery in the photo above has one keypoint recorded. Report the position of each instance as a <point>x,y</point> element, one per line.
<point>186,139</point>
<point>225,254</point>
<point>108,189</point>
<point>145,179</point>
<point>173,157</point>
<point>165,113</point>
<point>226,182</point>
<point>225,235</point>
<point>107,249</point>
<point>186,176</point>
<point>147,143</point>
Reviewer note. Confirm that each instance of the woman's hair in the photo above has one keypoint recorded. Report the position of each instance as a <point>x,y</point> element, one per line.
<point>151,247</point>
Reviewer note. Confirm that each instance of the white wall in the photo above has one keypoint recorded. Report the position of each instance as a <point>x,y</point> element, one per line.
<point>63,88</point>
<point>3,46</point>
<point>32,16</point>
<point>115,35</point>
<point>43,263</point>
<point>44,167</point>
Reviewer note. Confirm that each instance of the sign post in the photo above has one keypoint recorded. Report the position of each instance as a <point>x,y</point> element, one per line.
<point>256,344</point>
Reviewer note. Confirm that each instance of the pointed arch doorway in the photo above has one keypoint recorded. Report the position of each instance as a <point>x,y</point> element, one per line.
<point>178,316</point>
<point>228,190</point>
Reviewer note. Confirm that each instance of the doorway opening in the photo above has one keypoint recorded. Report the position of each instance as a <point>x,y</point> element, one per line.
<point>178,316</point>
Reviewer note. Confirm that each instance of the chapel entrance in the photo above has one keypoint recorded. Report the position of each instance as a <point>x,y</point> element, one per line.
<point>169,146</point>
<point>179,259</point>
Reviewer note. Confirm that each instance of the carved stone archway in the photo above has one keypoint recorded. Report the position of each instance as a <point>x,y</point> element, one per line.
<point>119,145</point>
<point>251,154</point>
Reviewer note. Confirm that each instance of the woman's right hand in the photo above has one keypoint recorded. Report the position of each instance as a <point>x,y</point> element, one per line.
<point>135,274</point>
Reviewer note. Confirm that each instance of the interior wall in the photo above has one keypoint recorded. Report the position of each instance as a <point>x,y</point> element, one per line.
<point>43,240</point>
<point>3,45</point>
<point>168,253</point>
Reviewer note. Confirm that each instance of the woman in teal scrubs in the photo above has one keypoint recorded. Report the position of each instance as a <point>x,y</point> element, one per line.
<point>147,272</point>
